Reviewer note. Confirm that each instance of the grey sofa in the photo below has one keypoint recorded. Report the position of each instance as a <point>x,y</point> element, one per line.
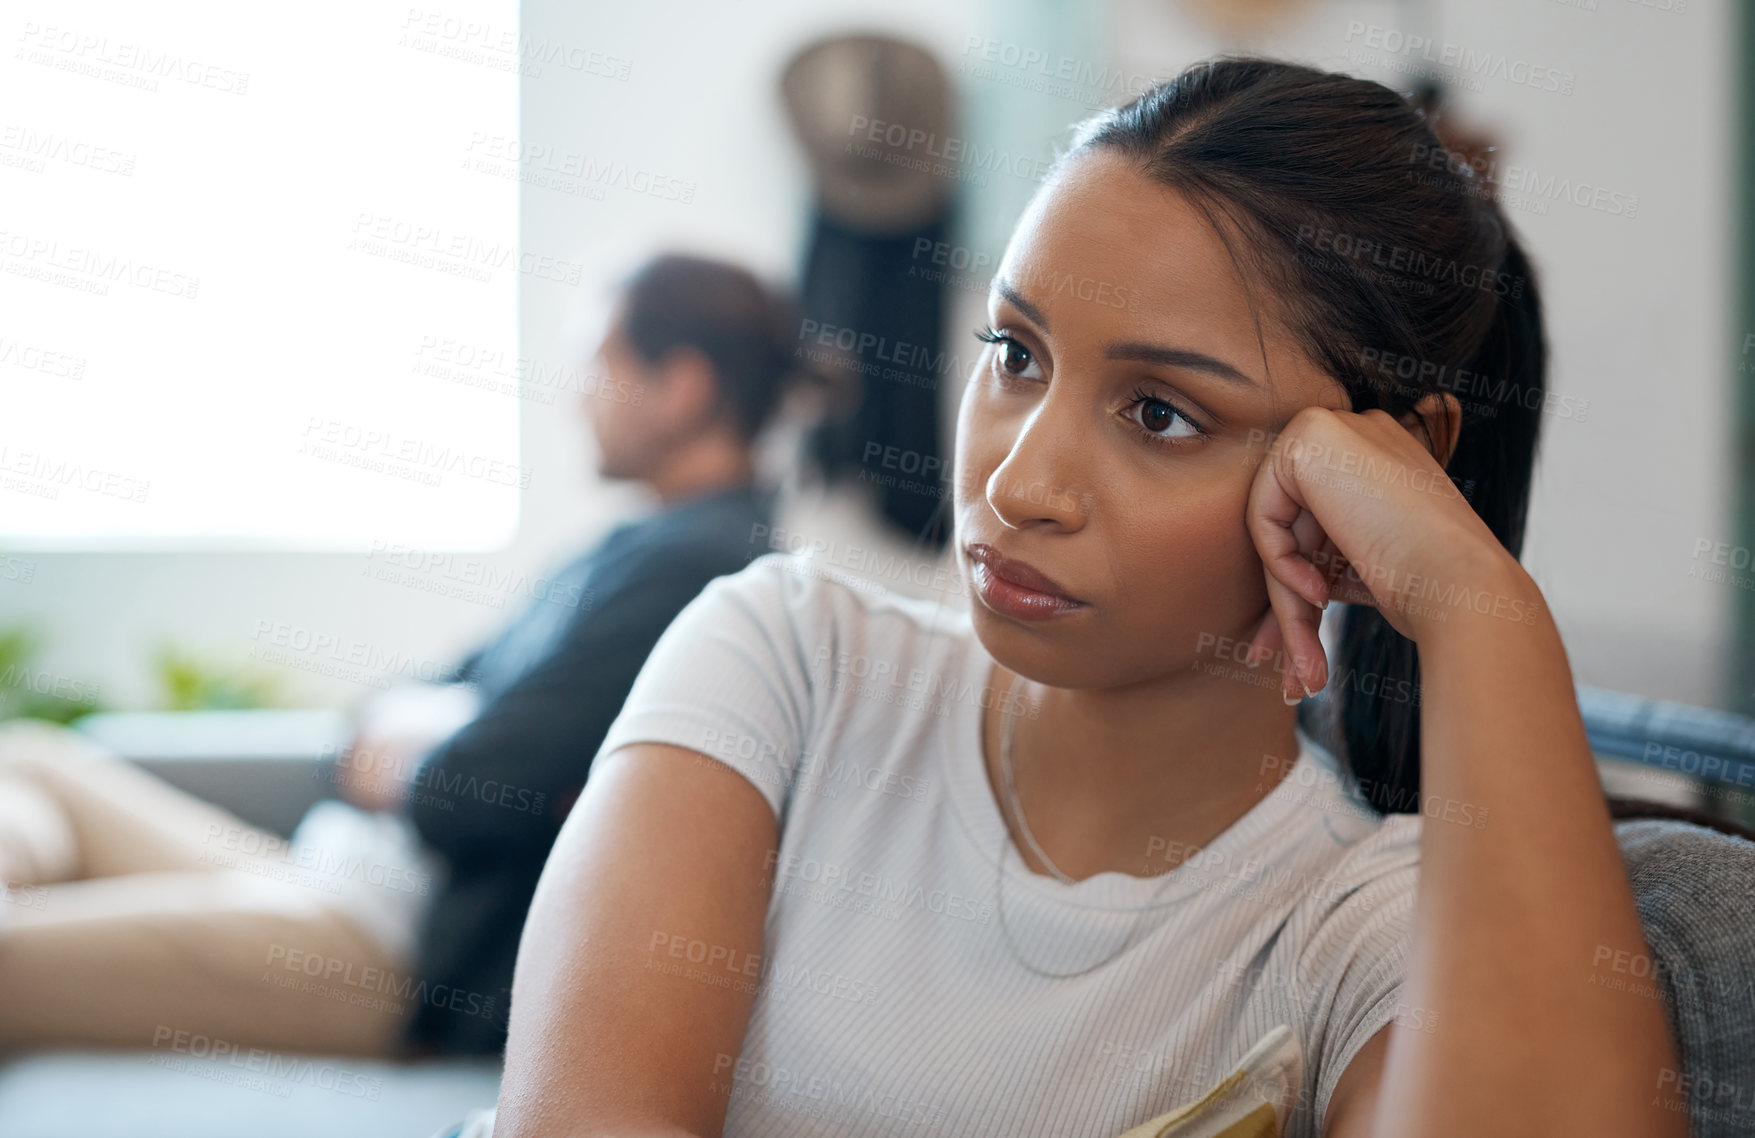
<point>1696,894</point>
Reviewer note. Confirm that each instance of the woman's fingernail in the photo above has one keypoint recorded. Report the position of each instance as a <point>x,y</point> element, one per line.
<point>1291,700</point>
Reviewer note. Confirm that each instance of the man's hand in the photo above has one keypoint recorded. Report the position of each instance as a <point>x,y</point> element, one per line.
<point>394,734</point>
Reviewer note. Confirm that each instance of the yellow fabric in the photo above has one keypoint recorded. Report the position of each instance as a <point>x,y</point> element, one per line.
<point>1251,1102</point>
<point>1261,1122</point>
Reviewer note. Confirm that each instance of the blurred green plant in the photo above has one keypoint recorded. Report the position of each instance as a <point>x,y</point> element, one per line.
<point>29,692</point>
<point>190,682</point>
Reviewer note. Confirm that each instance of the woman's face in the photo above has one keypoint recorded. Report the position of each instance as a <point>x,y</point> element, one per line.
<point>1110,440</point>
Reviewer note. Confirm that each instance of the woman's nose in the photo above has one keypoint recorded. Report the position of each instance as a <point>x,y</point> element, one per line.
<point>1043,478</point>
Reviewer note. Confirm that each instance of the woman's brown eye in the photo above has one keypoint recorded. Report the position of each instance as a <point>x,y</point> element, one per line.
<point>1156,415</point>
<point>1013,353</point>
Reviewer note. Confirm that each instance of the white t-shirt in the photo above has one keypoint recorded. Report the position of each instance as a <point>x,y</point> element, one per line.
<point>900,990</point>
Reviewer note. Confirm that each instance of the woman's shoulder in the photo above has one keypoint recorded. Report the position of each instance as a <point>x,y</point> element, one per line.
<point>1351,841</point>
<point>776,666</point>
<point>826,603</point>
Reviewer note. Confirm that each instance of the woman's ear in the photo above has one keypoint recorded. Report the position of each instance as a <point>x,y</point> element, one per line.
<point>1436,420</point>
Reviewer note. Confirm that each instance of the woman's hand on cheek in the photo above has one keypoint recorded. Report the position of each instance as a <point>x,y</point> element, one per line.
<point>1352,506</point>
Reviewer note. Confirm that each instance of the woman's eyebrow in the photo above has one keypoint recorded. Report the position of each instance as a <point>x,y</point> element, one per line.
<point>1004,289</point>
<point>1176,357</point>
<point>1131,349</point>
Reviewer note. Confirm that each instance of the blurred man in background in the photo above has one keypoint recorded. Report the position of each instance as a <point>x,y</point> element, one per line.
<point>391,921</point>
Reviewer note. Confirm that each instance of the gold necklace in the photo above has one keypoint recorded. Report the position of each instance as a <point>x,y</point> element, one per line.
<point>999,866</point>
<point>1011,790</point>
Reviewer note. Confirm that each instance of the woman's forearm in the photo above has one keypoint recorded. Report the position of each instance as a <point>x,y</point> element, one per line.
<point>1516,909</point>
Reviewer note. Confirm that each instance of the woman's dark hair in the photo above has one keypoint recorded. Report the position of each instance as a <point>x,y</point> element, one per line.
<point>745,328</point>
<point>1398,276</point>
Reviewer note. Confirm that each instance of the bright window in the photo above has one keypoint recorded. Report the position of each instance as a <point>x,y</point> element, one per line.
<point>258,275</point>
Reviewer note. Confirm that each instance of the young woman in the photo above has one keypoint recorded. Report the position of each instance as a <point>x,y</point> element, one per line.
<point>1057,862</point>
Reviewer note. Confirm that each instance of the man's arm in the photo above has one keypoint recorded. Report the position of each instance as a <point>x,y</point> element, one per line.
<point>394,733</point>
<point>504,783</point>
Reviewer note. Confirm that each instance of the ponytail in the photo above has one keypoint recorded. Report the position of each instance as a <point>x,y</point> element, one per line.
<point>794,368</point>
<point>1501,393</point>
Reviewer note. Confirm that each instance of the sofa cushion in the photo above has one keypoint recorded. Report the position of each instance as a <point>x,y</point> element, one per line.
<point>177,1094</point>
<point>1695,889</point>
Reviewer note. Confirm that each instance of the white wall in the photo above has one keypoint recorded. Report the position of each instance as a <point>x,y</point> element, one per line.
<point>1639,309</point>
<point>700,104</point>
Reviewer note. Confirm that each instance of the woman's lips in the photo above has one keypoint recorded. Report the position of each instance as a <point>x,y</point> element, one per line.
<point>1014,588</point>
